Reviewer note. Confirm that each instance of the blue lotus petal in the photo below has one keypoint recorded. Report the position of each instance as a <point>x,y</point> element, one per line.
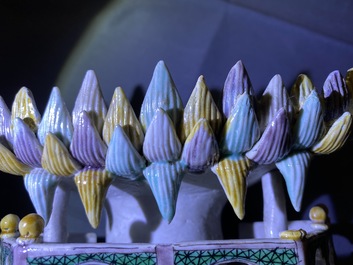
<point>56,119</point>
<point>161,141</point>
<point>122,157</point>
<point>236,83</point>
<point>165,179</point>
<point>26,145</point>
<point>294,169</point>
<point>5,124</point>
<point>161,93</point>
<point>311,114</point>
<point>241,130</point>
<point>87,146</point>
<point>41,186</point>
<point>275,142</point>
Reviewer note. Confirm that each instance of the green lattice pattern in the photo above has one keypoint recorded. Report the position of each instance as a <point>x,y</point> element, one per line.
<point>145,258</point>
<point>280,256</point>
<point>6,254</point>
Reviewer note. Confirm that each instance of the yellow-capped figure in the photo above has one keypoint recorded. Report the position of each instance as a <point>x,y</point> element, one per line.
<point>318,216</point>
<point>9,226</point>
<point>31,227</point>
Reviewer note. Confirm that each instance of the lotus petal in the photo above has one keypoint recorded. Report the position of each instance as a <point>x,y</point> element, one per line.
<point>274,98</point>
<point>92,185</point>
<point>301,90</point>
<point>336,96</point>
<point>26,145</point>
<point>87,146</point>
<point>311,113</point>
<point>25,108</point>
<point>56,159</point>
<point>161,93</point>
<point>237,83</point>
<point>90,99</point>
<point>10,164</point>
<point>5,123</point>
<point>275,142</point>
<point>121,113</point>
<point>232,172</point>
<point>41,186</point>
<point>241,129</point>
<point>161,141</point>
<point>200,148</point>
<point>294,169</point>
<point>349,84</point>
<point>122,157</point>
<point>56,119</point>
<point>165,179</point>
<point>336,136</point>
<point>200,106</point>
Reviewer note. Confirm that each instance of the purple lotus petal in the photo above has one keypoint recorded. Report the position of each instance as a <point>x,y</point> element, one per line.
<point>161,93</point>
<point>56,119</point>
<point>200,148</point>
<point>237,83</point>
<point>273,99</point>
<point>87,146</point>
<point>294,169</point>
<point>161,141</point>
<point>5,123</point>
<point>90,99</point>
<point>275,142</point>
<point>336,96</point>
<point>26,145</point>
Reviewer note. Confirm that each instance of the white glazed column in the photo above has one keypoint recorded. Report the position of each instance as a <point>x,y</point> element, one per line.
<point>134,217</point>
<point>274,211</point>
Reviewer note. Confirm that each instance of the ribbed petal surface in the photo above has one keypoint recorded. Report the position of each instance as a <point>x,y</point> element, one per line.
<point>90,99</point>
<point>121,113</point>
<point>294,169</point>
<point>311,114</point>
<point>56,159</point>
<point>122,157</point>
<point>92,185</point>
<point>237,83</point>
<point>25,107</point>
<point>87,146</point>
<point>300,91</point>
<point>161,93</point>
<point>200,106</point>
<point>241,129</point>
<point>201,148</point>
<point>232,172</point>
<point>336,136</point>
<point>56,119</point>
<point>5,123</point>
<point>165,179</point>
<point>274,143</point>
<point>10,164</point>
<point>336,96</point>
<point>41,186</point>
<point>161,141</point>
<point>26,145</point>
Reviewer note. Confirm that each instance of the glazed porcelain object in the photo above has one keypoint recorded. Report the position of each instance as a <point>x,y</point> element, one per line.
<point>165,176</point>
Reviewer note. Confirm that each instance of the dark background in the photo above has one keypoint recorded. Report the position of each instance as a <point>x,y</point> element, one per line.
<point>52,43</point>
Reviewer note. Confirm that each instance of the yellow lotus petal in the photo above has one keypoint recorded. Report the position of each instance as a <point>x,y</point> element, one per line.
<point>121,113</point>
<point>301,90</point>
<point>336,136</point>
<point>200,106</point>
<point>56,159</point>
<point>25,107</point>
<point>10,164</point>
<point>232,172</point>
<point>92,185</point>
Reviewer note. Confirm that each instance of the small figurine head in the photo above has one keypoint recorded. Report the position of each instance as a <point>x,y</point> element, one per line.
<point>9,226</point>
<point>31,227</point>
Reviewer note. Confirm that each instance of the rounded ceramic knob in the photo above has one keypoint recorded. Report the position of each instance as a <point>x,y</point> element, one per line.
<point>9,225</point>
<point>317,214</point>
<point>31,226</point>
